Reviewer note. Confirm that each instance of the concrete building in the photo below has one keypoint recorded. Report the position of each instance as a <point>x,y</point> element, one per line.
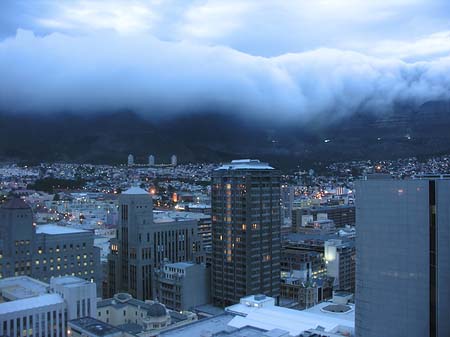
<point>287,199</point>
<point>325,319</point>
<point>203,223</point>
<point>173,160</point>
<point>340,259</point>
<point>151,160</point>
<point>144,243</point>
<point>91,327</point>
<point>342,215</point>
<point>183,285</point>
<point>140,318</point>
<point>44,251</point>
<point>29,307</point>
<point>79,295</point>
<point>246,225</point>
<point>130,160</point>
<point>403,257</point>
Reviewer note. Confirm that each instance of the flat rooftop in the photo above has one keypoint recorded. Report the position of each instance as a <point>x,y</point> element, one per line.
<point>245,164</point>
<point>94,326</point>
<point>68,281</point>
<point>203,327</point>
<point>180,265</point>
<point>293,321</point>
<point>30,303</point>
<point>20,287</point>
<point>58,230</point>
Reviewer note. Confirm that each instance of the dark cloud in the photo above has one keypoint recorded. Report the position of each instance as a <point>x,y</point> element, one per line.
<point>109,72</point>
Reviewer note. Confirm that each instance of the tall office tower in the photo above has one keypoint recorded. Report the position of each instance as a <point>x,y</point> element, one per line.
<point>173,160</point>
<point>403,257</point>
<point>151,160</point>
<point>130,160</point>
<point>287,199</point>
<point>246,226</point>
<point>143,243</point>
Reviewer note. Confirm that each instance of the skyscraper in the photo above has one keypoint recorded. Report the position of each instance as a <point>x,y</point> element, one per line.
<point>143,243</point>
<point>246,226</point>
<point>151,160</point>
<point>403,257</point>
<point>173,160</point>
<point>130,160</point>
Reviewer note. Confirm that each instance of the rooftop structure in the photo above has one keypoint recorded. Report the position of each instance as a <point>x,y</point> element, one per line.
<point>269,317</point>
<point>245,164</point>
<point>58,230</point>
<point>213,326</point>
<point>136,191</point>
<point>21,287</point>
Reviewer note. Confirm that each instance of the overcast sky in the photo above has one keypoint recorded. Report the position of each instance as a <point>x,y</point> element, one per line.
<point>278,58</point>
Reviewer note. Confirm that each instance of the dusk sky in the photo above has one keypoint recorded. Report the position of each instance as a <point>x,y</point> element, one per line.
<point>271,58</point>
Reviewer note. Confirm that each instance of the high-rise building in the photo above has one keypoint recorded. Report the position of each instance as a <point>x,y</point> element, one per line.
<point>246,225</point>
<point>142,245</point>
<point>287,199</point>
<point>340,261</point>
<point>151,160</point>
<point>403,257</point>
<point>130,160</point>
<point>173,160</point>
<point>44,251</point>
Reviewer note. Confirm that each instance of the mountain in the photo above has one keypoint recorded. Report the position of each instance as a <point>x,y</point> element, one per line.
<point>216,137</point>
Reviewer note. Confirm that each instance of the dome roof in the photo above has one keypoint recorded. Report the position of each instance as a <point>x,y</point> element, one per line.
<point>156,310</point>
<point>122,297</point>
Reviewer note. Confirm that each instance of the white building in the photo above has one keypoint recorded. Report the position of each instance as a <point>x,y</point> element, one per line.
<point>151,160</point>
<point>327,318</point>
<point>29,307</point>
<point>130,160</point>
<point>173,160</point>
<point>80,295</point>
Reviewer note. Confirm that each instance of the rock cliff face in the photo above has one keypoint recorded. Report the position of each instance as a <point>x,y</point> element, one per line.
<point>215,137</point>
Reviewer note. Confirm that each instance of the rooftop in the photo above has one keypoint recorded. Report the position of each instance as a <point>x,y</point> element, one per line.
<point>136,191</point>
<point>205,327</point>
<point>68,281</point>
<point>245,164</point>
<point>180,265</point>
<point>15,203</point>
<point>94,326</point>
<point>20,287</point>
<point>58,230</point>
<point>295,321</point>
<point>30,303</point>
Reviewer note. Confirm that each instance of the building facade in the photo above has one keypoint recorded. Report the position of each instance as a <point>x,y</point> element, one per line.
<point>45,251</point>
<point>140,318</point>
<point>183,285</point>
<point>402,266</point>
<point>29,307</point>
<point>342,215</point>
<point>246,225</point>
<point>143,244</point>
<point>340,258</point>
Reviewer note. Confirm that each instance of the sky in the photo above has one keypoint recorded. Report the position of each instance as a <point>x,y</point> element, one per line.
<point>271,59</point>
